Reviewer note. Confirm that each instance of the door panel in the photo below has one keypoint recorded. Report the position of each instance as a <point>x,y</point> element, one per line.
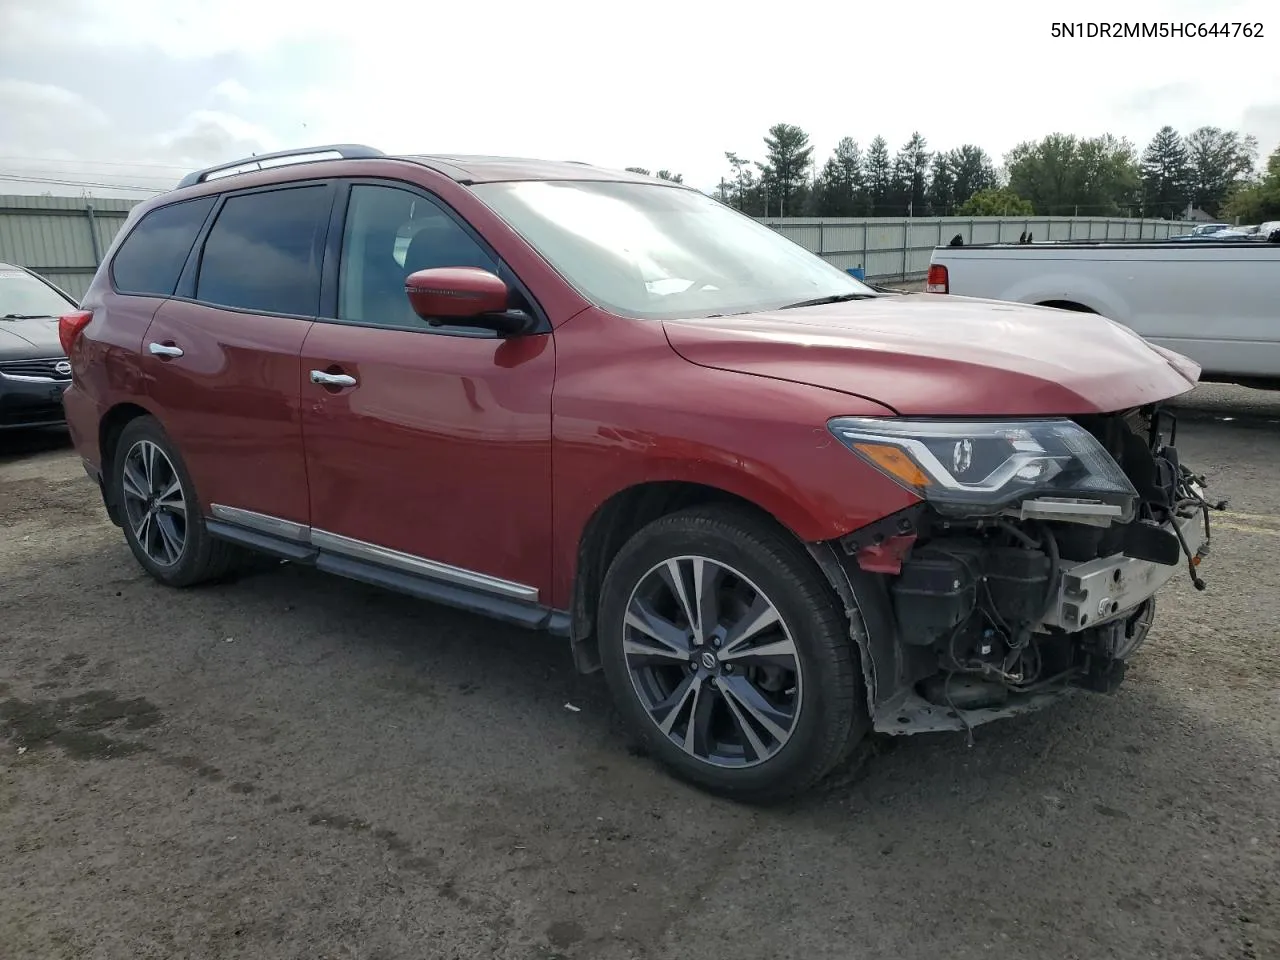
<point>433,443</point>
<point>223,361</point>
<point>231,403</point>
<point>441,449</point>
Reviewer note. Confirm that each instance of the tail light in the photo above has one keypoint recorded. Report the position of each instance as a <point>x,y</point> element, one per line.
<point>70,326</point>
<point>937,281</point>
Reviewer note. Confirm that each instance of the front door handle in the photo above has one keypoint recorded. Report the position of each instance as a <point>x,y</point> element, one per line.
<point>332,379</point>
<point>164,350</point>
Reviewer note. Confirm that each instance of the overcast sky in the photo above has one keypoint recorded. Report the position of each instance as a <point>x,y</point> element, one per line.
<point>139,91</point>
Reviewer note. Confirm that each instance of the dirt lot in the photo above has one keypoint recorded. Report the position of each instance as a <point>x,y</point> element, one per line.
<point>294,766</point>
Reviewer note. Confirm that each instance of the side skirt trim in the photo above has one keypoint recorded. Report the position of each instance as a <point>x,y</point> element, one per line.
<point>390,569</point>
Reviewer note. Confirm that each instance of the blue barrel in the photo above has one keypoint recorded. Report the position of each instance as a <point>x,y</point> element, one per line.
<point>858,273</point>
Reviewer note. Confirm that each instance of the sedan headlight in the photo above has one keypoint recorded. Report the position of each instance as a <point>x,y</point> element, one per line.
<point>985,468</point>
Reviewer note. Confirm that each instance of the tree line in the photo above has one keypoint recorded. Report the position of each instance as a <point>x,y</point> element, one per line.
<point>1061,174</point>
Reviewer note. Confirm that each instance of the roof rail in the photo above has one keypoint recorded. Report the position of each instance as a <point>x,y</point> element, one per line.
<point>344,151</point>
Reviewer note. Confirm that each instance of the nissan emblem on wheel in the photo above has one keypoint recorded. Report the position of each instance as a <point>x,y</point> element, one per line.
<point>779,510</point>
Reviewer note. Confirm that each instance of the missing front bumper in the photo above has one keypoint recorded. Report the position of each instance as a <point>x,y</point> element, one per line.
<point>1095,592</point>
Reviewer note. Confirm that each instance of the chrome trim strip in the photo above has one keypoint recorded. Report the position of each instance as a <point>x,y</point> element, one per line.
<point>261,521</point>
<point>26,379</point>
<point>422,566</point>
<point>359,549</point>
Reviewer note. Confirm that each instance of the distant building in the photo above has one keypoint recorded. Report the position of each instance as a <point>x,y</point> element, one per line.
<point>1198,215</point>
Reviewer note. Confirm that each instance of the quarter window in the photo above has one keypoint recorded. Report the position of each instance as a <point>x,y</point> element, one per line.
<point>151,257</point>
<point>264,252</point>
<point>391,233</point>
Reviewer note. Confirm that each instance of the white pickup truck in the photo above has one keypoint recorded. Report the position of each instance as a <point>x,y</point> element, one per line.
<point>1215,302</point>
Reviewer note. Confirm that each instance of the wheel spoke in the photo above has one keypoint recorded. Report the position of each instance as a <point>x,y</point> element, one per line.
<point>673,577</point>
<point>751,739</point>
<point>149,466</point>
<point>154,542</point>
<point>706,583</point>
<point>142,530</point>
<point>697,735</point>
<point>171,498</point>
<point>170,542</point>
<point>133,483</point>
<point>775,722</point>
<point>668,711</point>
<point>643,654</point>
<point>760,616</point>
<point>668,636</point>
<point>781,653</point>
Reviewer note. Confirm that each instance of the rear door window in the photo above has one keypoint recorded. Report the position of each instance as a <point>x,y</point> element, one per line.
<point>151,257</point>
<point>264,252</point>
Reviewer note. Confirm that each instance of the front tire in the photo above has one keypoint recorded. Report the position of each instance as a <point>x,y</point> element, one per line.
<point>729,655</point>
<point>162,519</point>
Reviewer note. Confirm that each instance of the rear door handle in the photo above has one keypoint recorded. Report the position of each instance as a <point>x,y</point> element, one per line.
<point>332,379</point>
<point>164,350</point>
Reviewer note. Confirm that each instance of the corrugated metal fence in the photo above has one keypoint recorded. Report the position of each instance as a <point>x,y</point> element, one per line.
<point>63,238</point>
<point>898,248</point>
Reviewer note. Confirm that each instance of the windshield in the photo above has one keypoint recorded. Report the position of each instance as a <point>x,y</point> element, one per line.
<point>654,252</point>
<point>22,295</point>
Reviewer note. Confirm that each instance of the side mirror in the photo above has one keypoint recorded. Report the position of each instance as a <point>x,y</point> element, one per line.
<point>462,296</point>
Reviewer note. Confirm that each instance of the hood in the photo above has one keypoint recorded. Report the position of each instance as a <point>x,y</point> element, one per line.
<point>931,355</point>
<point>29,339</point>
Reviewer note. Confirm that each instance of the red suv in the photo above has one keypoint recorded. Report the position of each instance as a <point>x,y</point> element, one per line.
<point>778,508</point>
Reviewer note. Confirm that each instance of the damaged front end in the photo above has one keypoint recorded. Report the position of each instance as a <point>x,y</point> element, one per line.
<point>1029,569</point>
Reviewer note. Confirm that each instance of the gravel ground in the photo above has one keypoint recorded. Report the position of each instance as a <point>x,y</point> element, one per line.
<point>294,766</point>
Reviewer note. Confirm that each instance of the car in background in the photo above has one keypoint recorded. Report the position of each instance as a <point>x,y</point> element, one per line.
<point>34,370</point>
<point>1211,300</point>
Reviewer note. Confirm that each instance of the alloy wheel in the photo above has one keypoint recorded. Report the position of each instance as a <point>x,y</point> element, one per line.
<point>154,503</point>
<point>712,662</point>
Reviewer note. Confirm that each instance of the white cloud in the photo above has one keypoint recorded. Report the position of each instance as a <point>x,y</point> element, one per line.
<point>177,29</point>
<point>232,91</point>
<point>568,79</point>
<point>45,111</point>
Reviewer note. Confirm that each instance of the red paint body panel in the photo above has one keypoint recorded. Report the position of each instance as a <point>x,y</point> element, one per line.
<point>106,365</point>
<point>926,355</point>
<point>442,449</point>
<point>628,411</point>
<point>493,455</point>
<point>231,404</point>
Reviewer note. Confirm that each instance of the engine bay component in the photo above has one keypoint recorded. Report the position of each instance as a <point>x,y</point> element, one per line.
<point>1006,606</point>
<point>937,589</point>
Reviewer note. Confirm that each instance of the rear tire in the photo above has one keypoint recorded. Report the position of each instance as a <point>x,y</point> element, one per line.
<point>161,513</point>
<point>753,691</point>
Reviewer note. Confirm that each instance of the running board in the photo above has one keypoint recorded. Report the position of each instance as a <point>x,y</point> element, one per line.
<point>532,616</point>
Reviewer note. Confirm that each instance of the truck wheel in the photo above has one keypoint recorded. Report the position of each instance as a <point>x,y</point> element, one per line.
<point>163,522</point>
<point>729,655</point>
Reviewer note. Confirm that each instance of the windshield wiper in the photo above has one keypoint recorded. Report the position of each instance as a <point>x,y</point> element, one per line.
<point>27,316</point>
<point>834,298</point>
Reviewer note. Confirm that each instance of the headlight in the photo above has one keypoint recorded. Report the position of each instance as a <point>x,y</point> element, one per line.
<point>983,468</point>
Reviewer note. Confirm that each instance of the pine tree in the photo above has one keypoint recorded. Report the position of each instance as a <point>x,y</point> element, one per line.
<point>879,176</point>
<point>1166,175</point>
